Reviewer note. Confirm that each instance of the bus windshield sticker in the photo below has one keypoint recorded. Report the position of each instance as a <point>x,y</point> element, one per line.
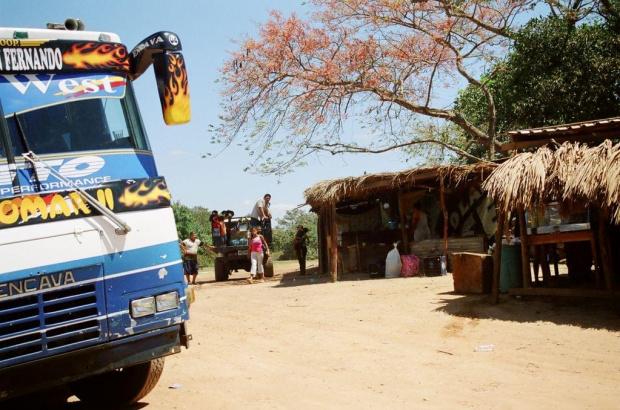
<point>53,56</point>
<point>21,92</point>
<point>117,196</point>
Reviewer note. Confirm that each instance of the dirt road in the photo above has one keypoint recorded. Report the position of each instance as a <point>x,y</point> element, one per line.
<point>406,343</point>
<point>301,342</point>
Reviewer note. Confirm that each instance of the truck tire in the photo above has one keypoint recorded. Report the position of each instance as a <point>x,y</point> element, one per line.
<point>268,268</point>
<point>119,387</point>
<point>221,271</point>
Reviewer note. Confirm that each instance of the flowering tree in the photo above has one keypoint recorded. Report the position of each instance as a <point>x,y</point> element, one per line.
<point>380,63</point>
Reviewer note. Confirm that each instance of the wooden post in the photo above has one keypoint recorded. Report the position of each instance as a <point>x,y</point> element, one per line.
<point>323,242</point>
<point>334,243</point>
<point>497,256</point>
<point>328,244</point>
<point>445,218</point>
<point>603,244</point>
<point>403,218</point>
<point>525,249</point>
<point>358,257</point>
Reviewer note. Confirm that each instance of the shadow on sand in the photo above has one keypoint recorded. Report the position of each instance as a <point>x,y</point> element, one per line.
<point>587,313</point>
<point>56,399</point>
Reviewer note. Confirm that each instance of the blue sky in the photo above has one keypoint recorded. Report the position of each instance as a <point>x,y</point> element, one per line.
<point>206,29</point>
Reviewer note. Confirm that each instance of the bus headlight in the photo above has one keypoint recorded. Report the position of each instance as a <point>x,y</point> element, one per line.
<point>153,304</point>
<point>143,307</point>
<point>167,301</point>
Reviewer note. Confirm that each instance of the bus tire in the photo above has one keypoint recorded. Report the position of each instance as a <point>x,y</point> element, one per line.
<point>268,268</point>
<point>221,271</point>
<point>119,387</point>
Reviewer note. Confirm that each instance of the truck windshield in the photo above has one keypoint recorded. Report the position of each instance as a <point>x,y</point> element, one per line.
<point>81,125</point>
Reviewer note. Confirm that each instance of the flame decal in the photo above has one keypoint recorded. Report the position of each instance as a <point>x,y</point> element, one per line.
<point>93,55</point>
<point>176,105</point>
<point>145,193</point>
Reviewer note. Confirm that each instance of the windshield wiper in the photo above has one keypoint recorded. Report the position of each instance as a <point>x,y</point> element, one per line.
<point>122,228</point>
<point>22,137</point>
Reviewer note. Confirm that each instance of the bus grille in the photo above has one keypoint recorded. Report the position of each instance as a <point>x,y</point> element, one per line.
<point>38,325</point>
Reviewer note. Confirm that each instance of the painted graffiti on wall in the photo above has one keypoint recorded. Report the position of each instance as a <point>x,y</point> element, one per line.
<point>469,212</point>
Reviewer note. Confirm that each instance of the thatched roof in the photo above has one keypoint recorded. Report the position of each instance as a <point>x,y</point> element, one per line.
<point>572,174</point>
<point>332,191</point>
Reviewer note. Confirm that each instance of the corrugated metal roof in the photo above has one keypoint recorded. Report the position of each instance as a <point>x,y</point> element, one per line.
<point>587,131</point>
<point>576,127</point>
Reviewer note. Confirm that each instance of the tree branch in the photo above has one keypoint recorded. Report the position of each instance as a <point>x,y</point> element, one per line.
<point>342,148</point>
<point>451,10</point>
<point>610,8</point>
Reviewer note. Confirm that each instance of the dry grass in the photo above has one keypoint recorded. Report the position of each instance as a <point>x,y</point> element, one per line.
<point>522,181</point>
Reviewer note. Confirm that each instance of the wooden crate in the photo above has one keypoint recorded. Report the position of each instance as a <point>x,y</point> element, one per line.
<point>472,272</point>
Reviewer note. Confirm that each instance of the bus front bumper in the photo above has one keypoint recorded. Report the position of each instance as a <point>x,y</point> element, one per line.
<point>66,367</point>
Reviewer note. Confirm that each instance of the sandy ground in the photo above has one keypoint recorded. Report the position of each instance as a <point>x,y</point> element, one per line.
<point>303,342</point>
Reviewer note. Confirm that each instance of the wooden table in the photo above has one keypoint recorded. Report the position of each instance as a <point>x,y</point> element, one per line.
<point>562,237</point>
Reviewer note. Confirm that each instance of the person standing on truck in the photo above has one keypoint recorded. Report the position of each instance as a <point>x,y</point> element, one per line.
<point>189,247</point>
<point>215,227</point>
<point>255,253</point>
<point>224,219</point>
<point>260,211</point>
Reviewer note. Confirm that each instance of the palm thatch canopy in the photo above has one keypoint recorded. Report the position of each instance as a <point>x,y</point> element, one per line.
<point>571,174</point>
<point>330,192</point>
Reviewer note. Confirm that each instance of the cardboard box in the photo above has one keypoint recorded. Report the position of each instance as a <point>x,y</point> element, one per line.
<point>472,272</point>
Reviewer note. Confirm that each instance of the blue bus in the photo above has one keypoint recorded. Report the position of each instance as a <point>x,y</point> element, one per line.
<point>92,294</point>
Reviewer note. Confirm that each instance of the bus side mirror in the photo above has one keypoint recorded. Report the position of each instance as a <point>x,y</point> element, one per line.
<point>173,87</point>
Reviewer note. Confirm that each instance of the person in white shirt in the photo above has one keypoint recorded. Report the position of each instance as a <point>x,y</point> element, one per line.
<point>260,211</point>
<point>189,248</point>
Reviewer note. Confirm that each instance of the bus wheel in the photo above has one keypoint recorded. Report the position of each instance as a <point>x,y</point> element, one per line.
<point>119,387</point>
<point>269,268</point>
<point>221,271</point>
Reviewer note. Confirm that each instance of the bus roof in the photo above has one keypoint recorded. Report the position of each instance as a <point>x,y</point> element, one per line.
<point>47,34</point>
<point>50,51</point>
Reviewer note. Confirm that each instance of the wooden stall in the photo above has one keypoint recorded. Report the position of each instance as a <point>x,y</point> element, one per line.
<point>360,218</point>
<point>564,195</point>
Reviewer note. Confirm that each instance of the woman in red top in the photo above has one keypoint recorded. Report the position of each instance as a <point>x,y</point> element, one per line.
<point>255,253</point>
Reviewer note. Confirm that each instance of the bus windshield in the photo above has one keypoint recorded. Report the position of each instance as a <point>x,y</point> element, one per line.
<point>98,122</point>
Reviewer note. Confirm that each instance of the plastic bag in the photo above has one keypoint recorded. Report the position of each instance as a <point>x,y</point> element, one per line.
<point>411,266</point>
<point>393,263</point>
